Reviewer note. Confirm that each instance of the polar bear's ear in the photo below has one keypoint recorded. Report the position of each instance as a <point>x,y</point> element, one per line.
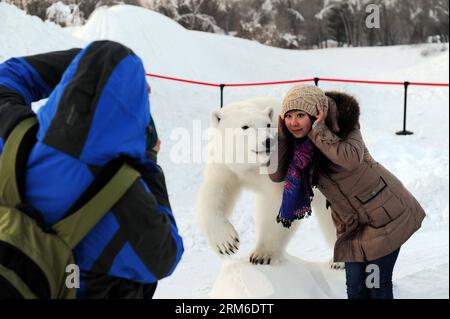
<point>215,118</point>
<point>269,112</point>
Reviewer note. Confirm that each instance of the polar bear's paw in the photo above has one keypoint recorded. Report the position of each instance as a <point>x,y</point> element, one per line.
<point>260,257</point>
<point>223,238</point>
<point>337,265</point>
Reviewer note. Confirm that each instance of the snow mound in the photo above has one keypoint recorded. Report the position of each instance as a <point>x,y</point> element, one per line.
<point>291,279</point>
<point>22,34</point>
<point>152,36</point>
<point>167,48</point>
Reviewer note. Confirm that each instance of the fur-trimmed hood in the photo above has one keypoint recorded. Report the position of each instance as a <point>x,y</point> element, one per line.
<point>345,113</point>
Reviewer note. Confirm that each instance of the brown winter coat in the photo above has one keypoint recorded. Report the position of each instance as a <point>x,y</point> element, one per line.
<point>373,212</point>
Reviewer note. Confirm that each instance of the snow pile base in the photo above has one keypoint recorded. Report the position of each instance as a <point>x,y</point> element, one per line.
<point>293,278</point>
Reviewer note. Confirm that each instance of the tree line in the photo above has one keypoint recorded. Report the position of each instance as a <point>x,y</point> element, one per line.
<point>291,24</point>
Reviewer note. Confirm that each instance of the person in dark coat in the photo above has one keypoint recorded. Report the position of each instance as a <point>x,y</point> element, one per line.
<point>98,110</point>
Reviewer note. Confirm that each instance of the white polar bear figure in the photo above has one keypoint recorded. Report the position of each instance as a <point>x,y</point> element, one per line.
<point>224,179</point>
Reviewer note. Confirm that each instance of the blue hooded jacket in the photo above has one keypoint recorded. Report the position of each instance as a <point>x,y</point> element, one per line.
<point>97,111</point>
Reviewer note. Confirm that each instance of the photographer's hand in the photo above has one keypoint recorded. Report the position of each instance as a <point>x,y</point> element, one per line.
<point>157,146</point>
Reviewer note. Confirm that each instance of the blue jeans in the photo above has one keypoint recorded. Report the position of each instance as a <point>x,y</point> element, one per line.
<point>371,279</point>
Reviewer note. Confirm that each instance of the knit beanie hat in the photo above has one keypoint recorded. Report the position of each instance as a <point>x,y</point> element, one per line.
<point>304,98</point>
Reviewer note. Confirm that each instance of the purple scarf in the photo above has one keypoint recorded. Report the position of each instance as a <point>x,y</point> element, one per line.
<point>297,194</point>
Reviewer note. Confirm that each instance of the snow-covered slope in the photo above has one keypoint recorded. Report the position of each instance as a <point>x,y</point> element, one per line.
<point>21,34</point>
<point>421,161</point>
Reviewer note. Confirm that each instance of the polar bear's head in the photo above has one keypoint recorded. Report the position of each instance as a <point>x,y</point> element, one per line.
<point>244,133</point>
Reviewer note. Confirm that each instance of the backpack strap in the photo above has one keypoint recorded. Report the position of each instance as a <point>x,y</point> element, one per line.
<point>76,226</point>
<point>10,194</point>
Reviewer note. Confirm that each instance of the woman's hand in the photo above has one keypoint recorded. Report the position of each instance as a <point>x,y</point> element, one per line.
<point>321,117</point>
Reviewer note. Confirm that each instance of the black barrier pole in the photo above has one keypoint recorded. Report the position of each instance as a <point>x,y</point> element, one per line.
<point>316,81</point>
<point>405,132</point>
<point>221,95</point>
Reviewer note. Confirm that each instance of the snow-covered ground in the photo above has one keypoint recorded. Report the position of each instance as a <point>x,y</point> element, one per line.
<point>421,160</point>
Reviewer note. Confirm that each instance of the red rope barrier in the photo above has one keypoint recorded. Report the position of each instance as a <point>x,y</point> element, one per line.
<point>269,83</point>
<point>295,81</point>
<point>316,81</point>
<point>428,84</point>
<point>383,82</point>
<point>361,81</point>
<point>182,80</point>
